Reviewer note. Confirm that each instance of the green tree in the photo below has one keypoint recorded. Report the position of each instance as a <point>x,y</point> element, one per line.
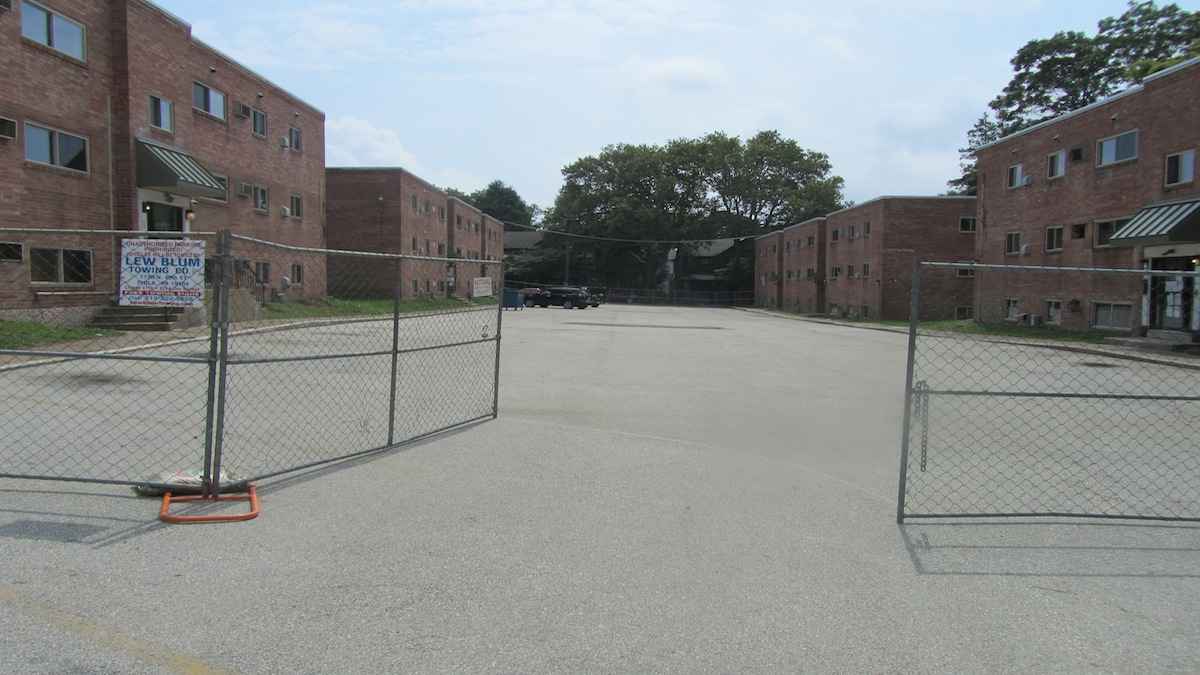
<point>1071,69</point>
<point>503,202</point>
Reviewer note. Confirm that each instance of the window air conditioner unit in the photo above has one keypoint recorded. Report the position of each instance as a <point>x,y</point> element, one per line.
<point>241,110</point>
<point>8,128</point>
<point>1027,180</point>
<point>285,211</point>
<point>1024,249</point>
<point>1077,154</point>
<point>285,143</point>
<point>245,189</point>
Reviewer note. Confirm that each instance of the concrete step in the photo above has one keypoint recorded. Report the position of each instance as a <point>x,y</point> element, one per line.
<point>136,325</point>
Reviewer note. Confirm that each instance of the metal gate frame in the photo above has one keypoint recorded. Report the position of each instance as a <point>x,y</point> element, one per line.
<point>918,396</point>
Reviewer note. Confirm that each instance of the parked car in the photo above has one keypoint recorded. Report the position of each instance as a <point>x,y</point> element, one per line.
<point>598,294</point>
<point>532,296</point>
<point>567,297</point>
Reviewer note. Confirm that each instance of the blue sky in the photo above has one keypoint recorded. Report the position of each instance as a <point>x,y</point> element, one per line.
<point>466,91</point>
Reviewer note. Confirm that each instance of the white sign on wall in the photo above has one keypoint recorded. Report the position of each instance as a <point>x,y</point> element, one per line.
<point>481,287</point>
<point>162,273</point>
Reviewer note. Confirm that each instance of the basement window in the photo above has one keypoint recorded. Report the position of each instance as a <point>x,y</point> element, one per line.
<point>60,266</point>
<point>12,252</point>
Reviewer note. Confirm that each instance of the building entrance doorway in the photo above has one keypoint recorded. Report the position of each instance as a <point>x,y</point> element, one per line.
<point>1171,298</point>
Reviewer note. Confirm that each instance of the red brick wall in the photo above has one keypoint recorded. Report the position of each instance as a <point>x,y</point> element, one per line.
<point>1164,114</point>
<point>768,270</point>
<point>465,233</point>
<point>135,50</point>
<point>493,249</point>
<point>900,228</point>
<point>800,293</point>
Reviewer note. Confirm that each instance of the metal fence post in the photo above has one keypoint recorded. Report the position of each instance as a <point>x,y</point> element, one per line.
<point>914,314</point>
<point>225,256</point>
<point>214,322</point>
<point>499,325</point>
<point>399,281</point>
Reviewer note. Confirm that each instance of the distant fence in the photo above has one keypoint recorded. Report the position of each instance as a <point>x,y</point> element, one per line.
<point>297,357</point>
<point>658,296</point>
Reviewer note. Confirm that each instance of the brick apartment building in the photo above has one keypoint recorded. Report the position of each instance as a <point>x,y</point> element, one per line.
<point>387,210</point>
<point>114,117</point>
<point>804,267</point>
<point>870,249</point>
<point>1109,185</point>
<point>768,270</point>
<point>391,210</point>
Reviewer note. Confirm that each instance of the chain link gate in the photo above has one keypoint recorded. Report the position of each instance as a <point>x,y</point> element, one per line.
<point>299,357</point>
<point>1020,405</point>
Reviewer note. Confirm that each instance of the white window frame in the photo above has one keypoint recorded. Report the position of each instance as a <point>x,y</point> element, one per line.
<point>1096,304</point>
<point>1020,176</point>
<point>266,192</point>
<point>62,267</point>
<point>866,270</point>
<point>1047,305</point>
<point>294,200</point>
<point>55,149</point>
<point>295,138</point>
<point>259,267</point>
<point>297,280</point>
<point>835,272</point>
<point>1061,155</point>
<point>1100,148</point>
<point>50,41</point>
<point>170,122</point>
<point>1007,237</point>
<point>224,115</point>
<point>963,220</point>
<point>1061,238</point>
<point>1191,167</point>
<point>255,113</point>
<point>20,245</point>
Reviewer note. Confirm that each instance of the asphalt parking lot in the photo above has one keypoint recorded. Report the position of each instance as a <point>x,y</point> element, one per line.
<point>665,490</point>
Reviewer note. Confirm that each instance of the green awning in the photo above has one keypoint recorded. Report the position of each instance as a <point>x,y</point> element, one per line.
<point>1161,223</point>
<point>166,170</point>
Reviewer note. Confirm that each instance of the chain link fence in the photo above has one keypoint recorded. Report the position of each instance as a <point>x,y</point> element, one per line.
<point>1035,402</point>
<point>290,357</point>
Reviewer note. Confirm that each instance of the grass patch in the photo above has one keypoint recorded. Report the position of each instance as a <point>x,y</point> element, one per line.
<point>24,334</point>
<point>971,327</point>
<point>334,307</point>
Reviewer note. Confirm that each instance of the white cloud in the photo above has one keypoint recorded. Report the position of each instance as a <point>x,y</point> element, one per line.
<point>352,141</point>
<point>684,73</point>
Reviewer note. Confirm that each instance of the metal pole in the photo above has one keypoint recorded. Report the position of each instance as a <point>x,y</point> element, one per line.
<point>224,248</point>
<point>914,313</point>
<point>210,402</point>
<point>567,266</point>
<point>399,282</point>
<point>499,325</point>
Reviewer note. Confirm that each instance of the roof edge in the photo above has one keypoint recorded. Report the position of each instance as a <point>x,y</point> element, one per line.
<point>884,198</point>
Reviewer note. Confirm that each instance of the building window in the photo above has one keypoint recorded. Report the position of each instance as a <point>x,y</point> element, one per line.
<point>60,266</point>
<point>1054,311</point>
<point>10,252</point>
<point>836,272</point>
<point>53,30</point>
<point>428,286</point>
<point>1119,148</point>
<point>428,247</point>
<point>415,288</point>
<point>787,247</point>
<point>258,122</point>
<point>295,139</point>
<point>835,234</point>
<point>414,245</point>
<point>964,313</point>
<point>866,270</point>
<point>865,312</point>
<point>867,229</point>
<point>789,275</point>
<point>262,273</point>
<point>812,241</point>
<point>297,274</point>
<point>810,273</point>
<point>1106,229</point>
<point>1181,167</point>
<point>441,248</point>
<point>56,148</point>
<point>1054,238</point>
<point>262,198</point>
<point>964,273</point>
<point>1079,231</point>
<point>297,206</point>
<point>224,181</point>
<point>966,224</point>
<point>851,232</point>
<point>1012,243</point>
<point>1016,176</point>
<point>162,114</point>
<point>1056,164</point>
<point>1012,307</point>
<point>208,100</point>
<point>1112,315</point>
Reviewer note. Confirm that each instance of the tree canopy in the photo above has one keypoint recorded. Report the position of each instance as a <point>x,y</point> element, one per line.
<point>687,189</point>
<point>1070,69</point>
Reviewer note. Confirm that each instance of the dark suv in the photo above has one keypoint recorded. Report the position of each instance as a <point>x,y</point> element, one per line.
<point>598,294</point>
<point>567,297</point>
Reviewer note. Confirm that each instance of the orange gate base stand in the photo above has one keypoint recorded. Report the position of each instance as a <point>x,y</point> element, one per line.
<point>164,514</point>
